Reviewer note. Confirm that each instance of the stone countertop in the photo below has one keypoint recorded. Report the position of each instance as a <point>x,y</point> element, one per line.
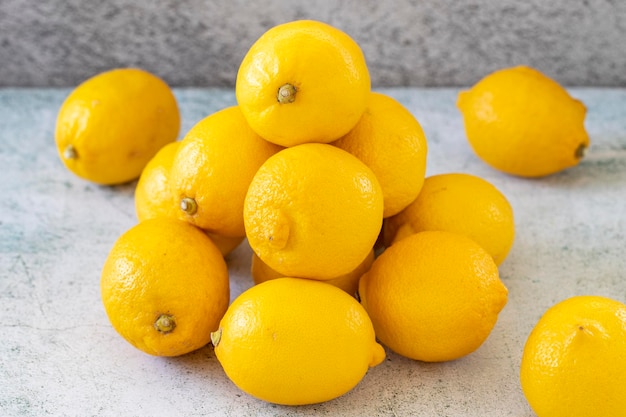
<point>59,355</point>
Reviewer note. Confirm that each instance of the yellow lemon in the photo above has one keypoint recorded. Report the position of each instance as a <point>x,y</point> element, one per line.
<point>295,341</point>
<point>433,296</point>
<point>154,198</point>
<point>212,170</point>
<point>522,122</point>
<point>349,282</point>
<point>460,203</point>
<point>165,287</point>
<point>574,360</point>
<point>313,211</point>
<point>111,125</point>
<point>390,141</point>
<point>303,81</point>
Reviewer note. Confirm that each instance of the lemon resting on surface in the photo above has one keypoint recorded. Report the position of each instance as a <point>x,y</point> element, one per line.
<point>112,124</point>
<point>295,341</point>
<point>524,123</point>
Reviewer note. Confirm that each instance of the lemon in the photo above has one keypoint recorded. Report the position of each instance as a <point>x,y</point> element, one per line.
<point>303,81</point>
<point>111,125</point>
<point>390,140</point>
<point>574,360</point>
<point>313,211</point>
<point>212,170</point>
<point>165,287</point>
<point>154,197</point>
<point>433,296</point>
<point>296,341</point>
<point>460,203</point>
<point>522,122</point>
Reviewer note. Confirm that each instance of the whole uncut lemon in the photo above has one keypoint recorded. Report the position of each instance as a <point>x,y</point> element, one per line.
<point>390,140</point>
<point>349,282</point>
<point>212,170</point>
<point>165,287</point>
<point>433,296</point>
<point>522,122</point>
<point>574,360</point>
<point>460,203</point>
<point>313,211</point>
<point>295,341</point>
<point>303,81</point>
<point>111,125</point>
<point>154,197</point>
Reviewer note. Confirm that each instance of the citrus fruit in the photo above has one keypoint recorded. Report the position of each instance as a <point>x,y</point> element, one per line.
<point>460,203</point>
<point>348,282</point>
<point>524,123</point>
<point>574,360</point>
<point>112,124</point>
<point>295,341</point>
<point>154,198</point>
<point>313,211</point>
<point>433,296</point>
<point>303,81</point>
<point>212,170</point>
<point>390,141</point>
<point>165,287</point>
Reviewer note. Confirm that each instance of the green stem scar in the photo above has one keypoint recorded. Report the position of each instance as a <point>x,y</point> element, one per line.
<point>580,151</point>
<point>286,94</point>
<point>216,336</point>
<point>70,152</point>
<point>165,323</point>
<point>189,205</point>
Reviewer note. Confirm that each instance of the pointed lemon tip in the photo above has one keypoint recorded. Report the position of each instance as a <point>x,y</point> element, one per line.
<point>378,355</point>
<point>462,99</point>
<point>277,229</point>
<point>216,337</point>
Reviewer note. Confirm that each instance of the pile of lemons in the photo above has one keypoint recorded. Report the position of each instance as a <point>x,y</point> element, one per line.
<point>353,246</point>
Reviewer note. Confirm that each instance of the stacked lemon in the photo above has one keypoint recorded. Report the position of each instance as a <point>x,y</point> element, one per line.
<point>352,243</point>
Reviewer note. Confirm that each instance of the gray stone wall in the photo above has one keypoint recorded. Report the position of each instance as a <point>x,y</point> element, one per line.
<point>406,42</point>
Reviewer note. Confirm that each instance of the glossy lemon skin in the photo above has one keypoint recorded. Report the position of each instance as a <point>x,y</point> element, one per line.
<point>165,267</point>
<point>296,341</point>
<point>434,296</point>
<point>460,203</point>
<point>327,72</point>
<point>523,123</point>
<point>111,125</point>
<point>313,211</point>
<point>390,141</point>
<point>574,359</point>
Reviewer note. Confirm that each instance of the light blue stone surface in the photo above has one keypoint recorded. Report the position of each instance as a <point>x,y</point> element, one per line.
<point>59,355</point>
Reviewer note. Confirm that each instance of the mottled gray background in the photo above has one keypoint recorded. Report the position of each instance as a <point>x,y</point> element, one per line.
<point>406,42</point>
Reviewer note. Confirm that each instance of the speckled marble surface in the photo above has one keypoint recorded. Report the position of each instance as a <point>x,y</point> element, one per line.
<point>59,355</point>
<point>406,42</point>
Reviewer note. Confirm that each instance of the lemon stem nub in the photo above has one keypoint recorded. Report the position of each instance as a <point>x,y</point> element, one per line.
<point>580,151</point>
<point>189,205</point>
<point>165,323</point>
<point>70,152</point>
<point>286,94</point>
<point>216,337</point>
